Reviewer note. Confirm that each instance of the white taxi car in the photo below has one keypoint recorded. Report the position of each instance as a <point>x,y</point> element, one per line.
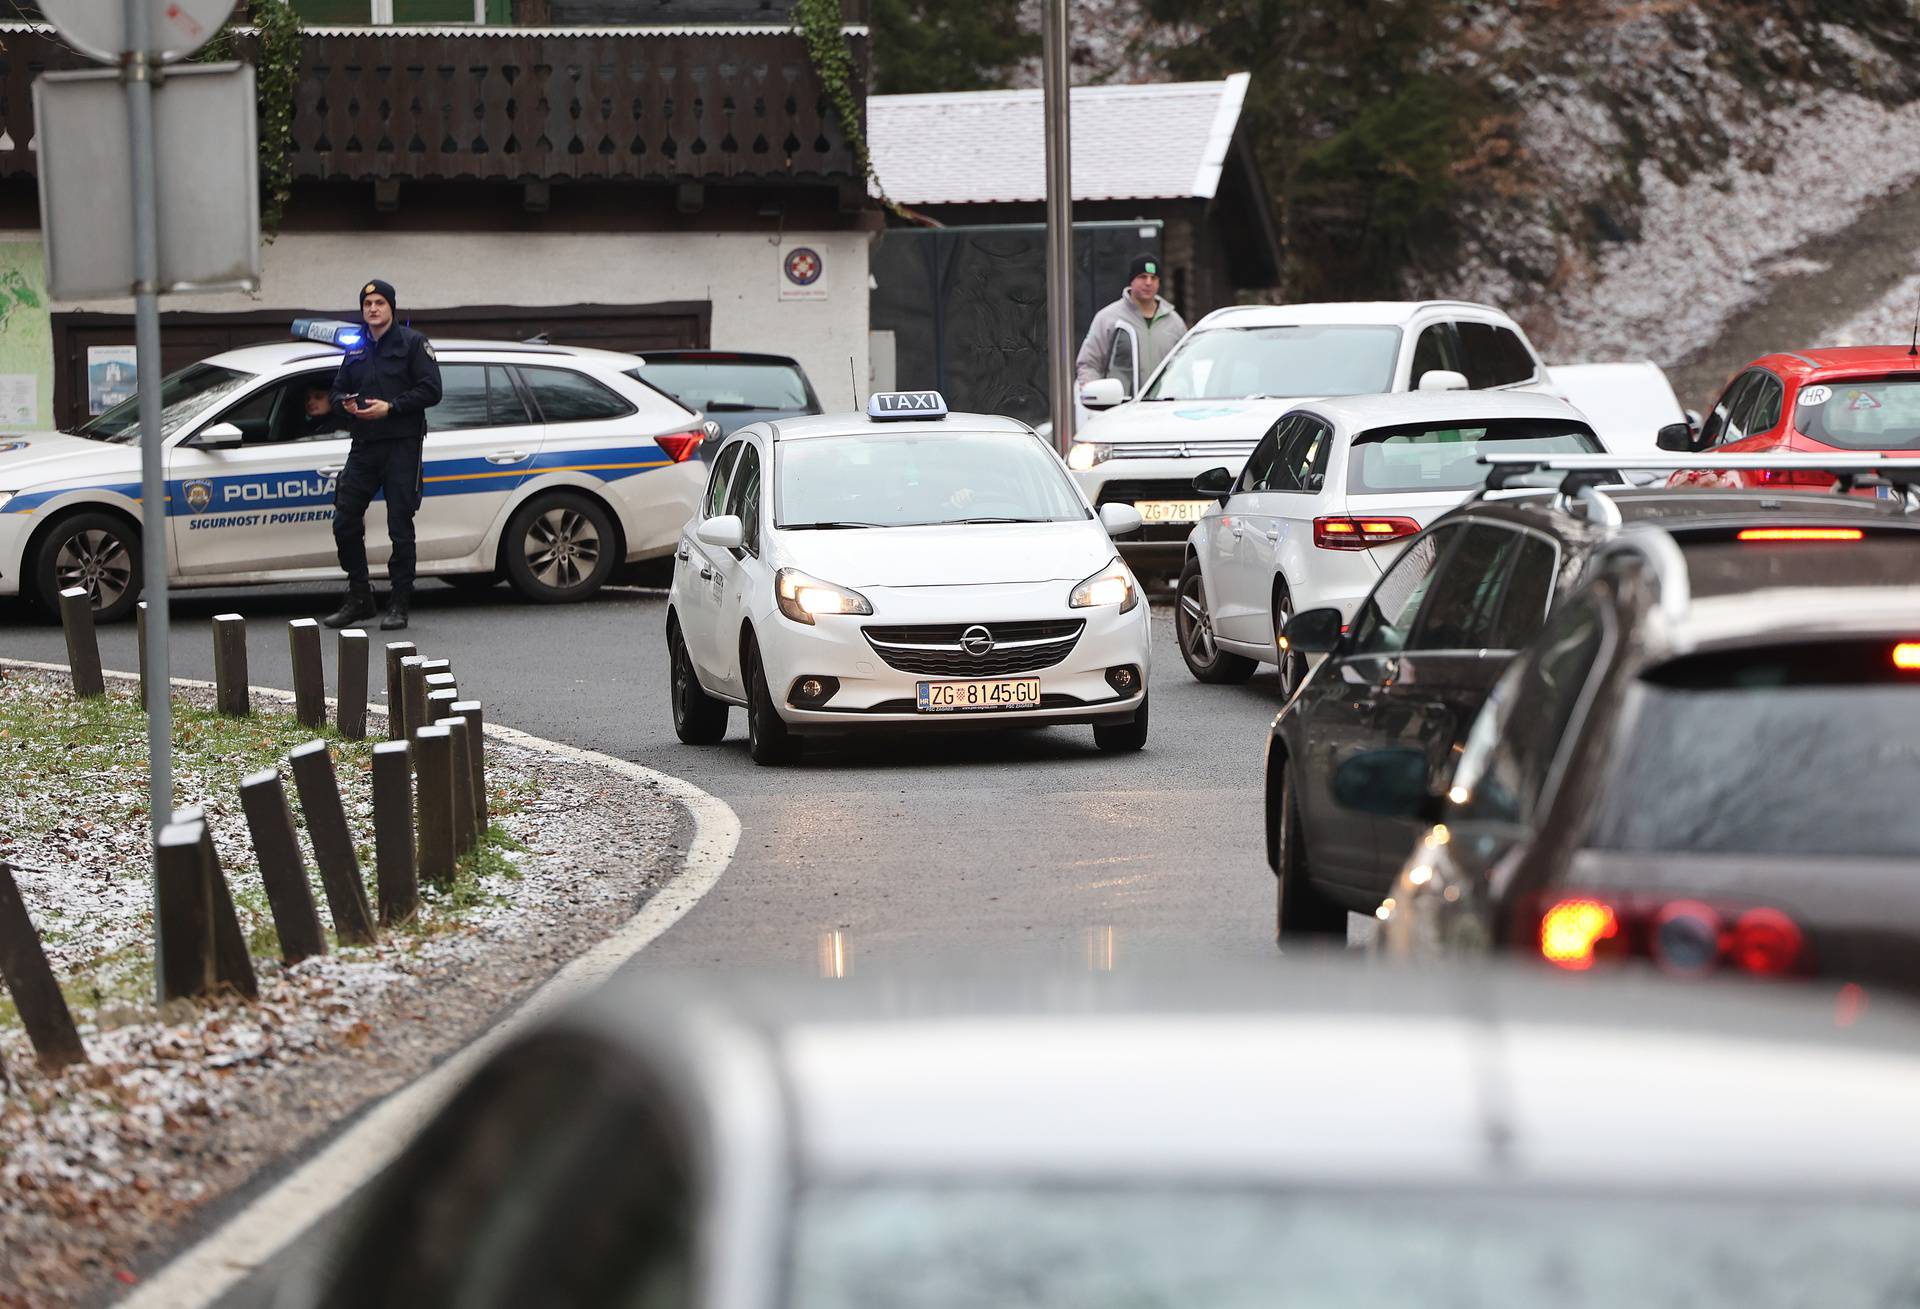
<point>545,464</point>
<point>1325,504</point>
<point>1231,378</point>
<point>909,568</point>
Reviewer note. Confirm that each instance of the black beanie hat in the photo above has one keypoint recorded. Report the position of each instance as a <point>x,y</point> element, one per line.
<point>1144,264</point>
<point>375,286</point>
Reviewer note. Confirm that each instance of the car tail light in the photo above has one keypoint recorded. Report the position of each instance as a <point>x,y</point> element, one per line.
<point>1801,534</point>
<point>1795,477</point>
<point>1686,938</point>
<point>680,446</point>
<point>1906,656</point>
<point>1360,533</point>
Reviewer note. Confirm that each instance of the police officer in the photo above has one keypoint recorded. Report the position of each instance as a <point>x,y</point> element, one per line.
<point>385,386</point>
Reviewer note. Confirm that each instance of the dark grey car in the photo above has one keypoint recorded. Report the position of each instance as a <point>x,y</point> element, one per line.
<point>731,388</point>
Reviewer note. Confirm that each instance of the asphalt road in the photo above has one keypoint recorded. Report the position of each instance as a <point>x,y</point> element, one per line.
<point>1027,845</point>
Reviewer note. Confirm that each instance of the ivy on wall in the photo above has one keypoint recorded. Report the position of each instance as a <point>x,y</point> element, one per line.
<point>818,23</point>
<point>276,69</point>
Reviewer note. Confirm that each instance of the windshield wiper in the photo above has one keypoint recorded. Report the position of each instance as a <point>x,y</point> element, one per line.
<point>729,407</point>
<point>1001,520</point>
<point>829,527</point>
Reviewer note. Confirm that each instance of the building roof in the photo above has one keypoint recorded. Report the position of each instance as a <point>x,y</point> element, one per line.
<point>983,147</point>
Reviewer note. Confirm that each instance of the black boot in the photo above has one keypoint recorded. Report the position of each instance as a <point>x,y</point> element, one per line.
<point>396,616</point>
<point>356,608</point>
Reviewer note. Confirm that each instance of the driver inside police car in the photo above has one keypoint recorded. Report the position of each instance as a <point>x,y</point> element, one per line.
<point>385,386</point>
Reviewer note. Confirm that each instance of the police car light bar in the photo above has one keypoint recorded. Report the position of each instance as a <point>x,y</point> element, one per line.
<point>330,331</point>
<point>885,406</point>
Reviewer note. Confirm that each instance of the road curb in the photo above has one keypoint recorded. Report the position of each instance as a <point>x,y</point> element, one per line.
<point>251,1237</point>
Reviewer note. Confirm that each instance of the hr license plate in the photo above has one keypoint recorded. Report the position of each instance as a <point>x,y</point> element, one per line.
<point>1172,511</point>
<point>999,693</point>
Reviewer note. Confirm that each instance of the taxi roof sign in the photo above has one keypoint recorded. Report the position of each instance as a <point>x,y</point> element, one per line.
<point>330,331</point>
<point>885,405</point>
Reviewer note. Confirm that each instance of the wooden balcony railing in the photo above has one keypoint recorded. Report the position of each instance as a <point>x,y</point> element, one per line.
<point>524,106</point>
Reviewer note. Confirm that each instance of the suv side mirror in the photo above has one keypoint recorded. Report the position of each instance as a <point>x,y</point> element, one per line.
<point>1391,783</point>
<point>1316,631</point>
<point>218,436</point>
<point>1442,379</point>
<point>1215,482</point>
<point>1103,393</point>
<point>1677,437</point>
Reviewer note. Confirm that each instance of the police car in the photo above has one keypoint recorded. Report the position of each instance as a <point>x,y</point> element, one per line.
<point>912,568</point>
<point>544,464</point>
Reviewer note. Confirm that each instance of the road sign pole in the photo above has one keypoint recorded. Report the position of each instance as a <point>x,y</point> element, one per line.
<point>137,73</point>
<point>1057,84</point>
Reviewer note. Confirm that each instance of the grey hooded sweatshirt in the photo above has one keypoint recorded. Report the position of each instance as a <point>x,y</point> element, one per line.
<point>1156,337</point>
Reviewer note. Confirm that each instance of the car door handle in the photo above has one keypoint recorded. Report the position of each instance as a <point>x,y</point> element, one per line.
<point>333,468</point>
<point>507,457</point>
<point>706,572</point>
<point>1233,525</point>
<point>1274,535</point>
<point>683,553</point>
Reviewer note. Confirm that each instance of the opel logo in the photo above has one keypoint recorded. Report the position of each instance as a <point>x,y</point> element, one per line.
<point>976,641</point>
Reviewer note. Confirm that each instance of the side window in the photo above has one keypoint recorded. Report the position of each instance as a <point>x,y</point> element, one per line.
<point>506,407</point>
<point>1511,749</point>
<point>1434,350</point>
<point>1764,413</point>
<point>722,476</point>
<point>1123,359</point>
<point>1464,597</point>
<point>1494,355</point>
<point>1528,592</point>
<point>1305,457</point>
<point>1717,420</point>
<point>1258,474</point>
<point>743,498</point>
<point>1387,616</point>
<point>1743,405</point>
<point>565,396</point>
<point>294,409</point>
<point>463,398</point>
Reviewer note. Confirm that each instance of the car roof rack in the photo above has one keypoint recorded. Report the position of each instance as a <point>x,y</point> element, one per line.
<point>1849,471</point>
<point>1662,553</point>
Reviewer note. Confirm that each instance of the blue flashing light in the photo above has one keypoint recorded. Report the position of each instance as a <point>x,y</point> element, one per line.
<point>888,405</point>
<point>330,331</point>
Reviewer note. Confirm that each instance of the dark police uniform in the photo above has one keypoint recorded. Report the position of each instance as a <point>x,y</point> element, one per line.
<point>386,454</point>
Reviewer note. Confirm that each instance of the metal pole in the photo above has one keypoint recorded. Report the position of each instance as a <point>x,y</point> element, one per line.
<point>1060,342</point>
<point>137,72</point>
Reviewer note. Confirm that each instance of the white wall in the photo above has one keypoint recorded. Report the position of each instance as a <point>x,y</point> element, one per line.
<point>740,273</point>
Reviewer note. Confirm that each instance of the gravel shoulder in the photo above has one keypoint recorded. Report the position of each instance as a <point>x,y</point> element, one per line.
<point>108,1168</point>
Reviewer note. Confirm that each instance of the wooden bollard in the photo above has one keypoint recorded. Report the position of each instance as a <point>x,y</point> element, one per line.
<point>396,689</point>
<point>476,758</point>
<point>36,994</point>
<point>232,964</point>
<point>309,675</point>
<point>395,872</point>
<point>413,694</point>
<point>140,642</point>
<point>332,843</point>
<point>83,644</point>
<point>183,917</point>
<point>465,835</point>
<point>440,705</point>
<point>350,701</point>
<point>433,797</point>
<point>277,848</point>
<point>230,665</point>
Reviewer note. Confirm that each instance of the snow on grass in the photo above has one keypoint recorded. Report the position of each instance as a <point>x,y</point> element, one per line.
<point>1889,321</point>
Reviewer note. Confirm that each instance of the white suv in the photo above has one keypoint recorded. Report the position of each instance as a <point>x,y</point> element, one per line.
<point>1232,377</point>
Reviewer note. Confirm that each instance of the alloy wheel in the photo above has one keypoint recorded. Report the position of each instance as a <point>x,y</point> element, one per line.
<point>97,560</point>
<point>1194,623</point>
<point>562,548</point>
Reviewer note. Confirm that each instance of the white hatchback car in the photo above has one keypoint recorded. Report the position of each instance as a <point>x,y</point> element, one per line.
<point>545,464</point>
<point>911,568</point>
<point>1231,378</point>
<point>1324,503</point>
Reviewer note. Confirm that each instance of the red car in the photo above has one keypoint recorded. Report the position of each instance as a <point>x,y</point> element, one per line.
<point>1850,399</point>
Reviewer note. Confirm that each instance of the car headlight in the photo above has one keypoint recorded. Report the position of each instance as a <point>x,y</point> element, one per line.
<point>1112,585</point>
<point>1083,455</point>
<point>801,597</point>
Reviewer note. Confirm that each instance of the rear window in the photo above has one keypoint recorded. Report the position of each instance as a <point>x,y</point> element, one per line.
<point>730,386</point>
<point>1446,456</point>
<point>1811,749</point>
<point>1862,415</point>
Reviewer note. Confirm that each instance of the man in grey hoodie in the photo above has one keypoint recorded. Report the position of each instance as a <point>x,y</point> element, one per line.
<point>1155,326</point>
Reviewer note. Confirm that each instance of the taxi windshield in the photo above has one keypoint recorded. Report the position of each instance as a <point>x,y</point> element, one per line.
<point>1862,415</point>
<point>1446,456</point>
<point>184,396</point>
<point>922,479</point>
<point>1173,1247</point>
<point>1238,363</point>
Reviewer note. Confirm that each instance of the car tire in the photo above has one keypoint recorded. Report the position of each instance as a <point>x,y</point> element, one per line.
<point>698,718</point>
<point>560,547</point>
<point>770,741</point>
<point>1301,913</point>
<point>99,551</point>
<point>1123,738</point>
<point>1193,629</point>
<point>1292,665</point>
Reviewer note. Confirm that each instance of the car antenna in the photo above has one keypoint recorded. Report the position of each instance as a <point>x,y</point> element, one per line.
<point>853,375</point>
<point>1913,349</point>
